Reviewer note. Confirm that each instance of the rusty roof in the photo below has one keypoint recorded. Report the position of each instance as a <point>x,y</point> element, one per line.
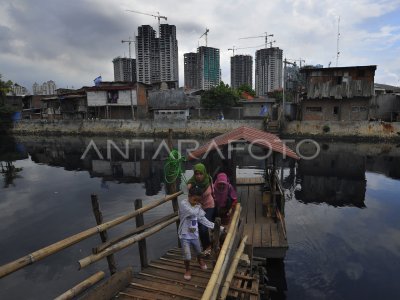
<point>255,136</point>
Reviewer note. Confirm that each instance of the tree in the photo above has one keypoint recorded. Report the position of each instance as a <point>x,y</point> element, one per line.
<point>5,87</point>
<point>220,96</point>
<point>246,88</point>
<point>6,111</point>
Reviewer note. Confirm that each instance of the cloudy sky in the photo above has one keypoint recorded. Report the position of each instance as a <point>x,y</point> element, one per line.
<point>72,42</point>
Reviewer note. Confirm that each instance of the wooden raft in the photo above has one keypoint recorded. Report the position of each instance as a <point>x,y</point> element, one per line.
<point>163,279</point>
<point>265,236</point>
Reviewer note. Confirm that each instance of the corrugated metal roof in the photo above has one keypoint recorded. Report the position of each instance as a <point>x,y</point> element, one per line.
<point>257,137</point>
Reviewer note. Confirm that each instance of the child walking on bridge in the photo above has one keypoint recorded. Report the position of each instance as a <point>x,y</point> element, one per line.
<point>190,212</point>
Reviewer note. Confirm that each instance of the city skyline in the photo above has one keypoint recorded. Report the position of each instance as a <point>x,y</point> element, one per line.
<point>73,43</point>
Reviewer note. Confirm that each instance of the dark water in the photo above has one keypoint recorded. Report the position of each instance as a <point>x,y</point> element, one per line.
<point>342,214</point>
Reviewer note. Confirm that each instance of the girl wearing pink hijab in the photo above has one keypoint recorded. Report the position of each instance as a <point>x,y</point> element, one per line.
<point>225,197</point>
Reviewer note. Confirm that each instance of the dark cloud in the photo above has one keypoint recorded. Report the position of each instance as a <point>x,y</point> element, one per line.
<point>5,39</point>
<point>50,29</point>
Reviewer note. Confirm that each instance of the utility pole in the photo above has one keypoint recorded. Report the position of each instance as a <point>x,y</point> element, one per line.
<point>129,41</point>
<point>337,42</point>
<point>285,62</point>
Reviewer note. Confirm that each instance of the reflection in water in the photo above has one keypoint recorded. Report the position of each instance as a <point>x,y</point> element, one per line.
<point>336,251</point>
<point>9,152</point>
<point>333,178</point>
<point>10,173</point>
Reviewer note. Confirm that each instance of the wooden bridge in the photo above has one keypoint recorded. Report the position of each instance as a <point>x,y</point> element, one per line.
<point>266,233</point>
<point>257,229</point>
<point>161,278</point>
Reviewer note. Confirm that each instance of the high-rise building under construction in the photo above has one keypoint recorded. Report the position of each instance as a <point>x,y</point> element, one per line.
<point>202,69</point>
<point>191,71</point>
<point>124,69</point>
<point>157,58</point>
<point>168,53</point>
<point>268,75</point>
<point>241,70</point>
<point>209,67</point>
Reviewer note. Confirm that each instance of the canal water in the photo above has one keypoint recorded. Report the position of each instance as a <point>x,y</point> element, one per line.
<point>342,213</point>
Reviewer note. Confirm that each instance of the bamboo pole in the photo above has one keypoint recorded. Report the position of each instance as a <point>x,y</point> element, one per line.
<point>123,244</point>
<point>76,290</point>
<point>227,260</point>
<point>232,269</point>
<point>140,229</point>
<point>212,283</point>
<point>60,245</point>
<point>282,222</point>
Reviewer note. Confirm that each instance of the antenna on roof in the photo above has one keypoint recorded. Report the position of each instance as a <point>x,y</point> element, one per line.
<point>337,43</point>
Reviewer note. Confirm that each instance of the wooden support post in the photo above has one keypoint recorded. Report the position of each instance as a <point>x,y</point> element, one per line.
<point>172,188</point>
<point>142,243</point>
<point>273,185</point>
<point>103,235</point>
<point>216,234</point>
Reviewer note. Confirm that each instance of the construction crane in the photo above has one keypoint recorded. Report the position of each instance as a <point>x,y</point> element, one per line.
<point>155,16</point>
<point>270,43</point>
<point>205,34</point>
<point>263,36</point>
<point>233,49</point>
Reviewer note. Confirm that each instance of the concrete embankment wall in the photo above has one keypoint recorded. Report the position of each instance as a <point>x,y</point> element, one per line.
<point>334,129</point>
<point>317,129</point>
<point>129,127</point>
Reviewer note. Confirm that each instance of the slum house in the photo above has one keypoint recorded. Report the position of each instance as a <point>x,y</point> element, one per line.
<point>31,107</point>
<point>258,108</point>
<point>170,105</point>
<point>51,108</point>
<point>386,104</point>
<point>117,100</point>
<point>338,94</point>
<point>73,106</point>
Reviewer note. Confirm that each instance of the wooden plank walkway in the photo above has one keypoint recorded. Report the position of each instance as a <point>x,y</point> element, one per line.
<point>163,279</point>
<point>264,234</point>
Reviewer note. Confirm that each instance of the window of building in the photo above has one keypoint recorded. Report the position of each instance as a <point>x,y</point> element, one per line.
<point>339,80</point>
<point>112,97</point>
<point>335,110</point>
<point>314,109</point>
<point>355,109</point>
<point>363,108</point>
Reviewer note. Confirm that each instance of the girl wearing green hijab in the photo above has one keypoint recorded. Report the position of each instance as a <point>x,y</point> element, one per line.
<point>202,180</point>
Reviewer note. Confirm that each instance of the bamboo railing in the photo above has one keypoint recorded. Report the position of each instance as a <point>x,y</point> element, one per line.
<point>218,273</point>
<point>124,243</point>
<point>232,269</point>
<point>60,245</point>
<point>84,285</point>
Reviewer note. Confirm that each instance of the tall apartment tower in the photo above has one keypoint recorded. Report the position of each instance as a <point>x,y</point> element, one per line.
<point>191,71</point>
<point>157,58</point>
<point>124,69</point>
<point>208,62</point>
<point>168,54</point>
<point>241,70</point>
<point>147,55</point>
<point>268,75</point>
